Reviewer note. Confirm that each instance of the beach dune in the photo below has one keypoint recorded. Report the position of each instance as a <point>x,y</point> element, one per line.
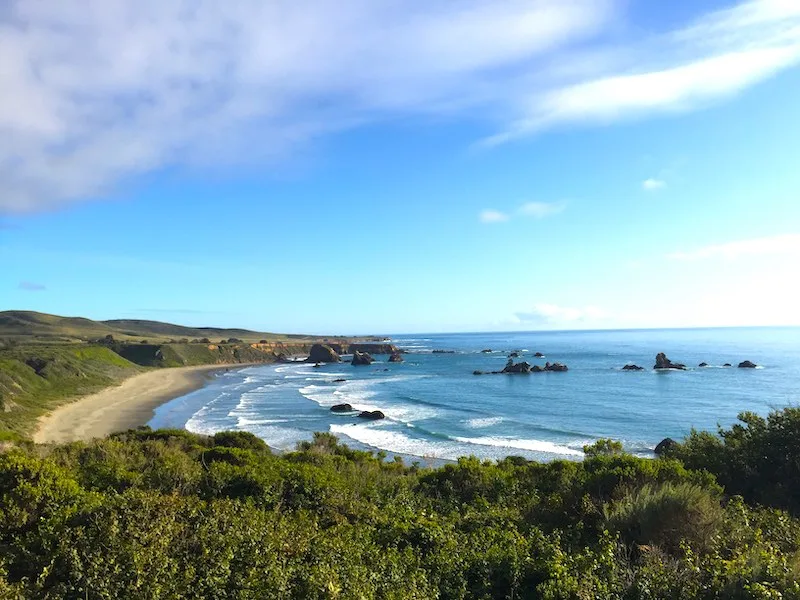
<point>122,407</point>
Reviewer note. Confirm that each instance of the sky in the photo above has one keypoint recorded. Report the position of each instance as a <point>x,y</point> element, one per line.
<point>357,167</point>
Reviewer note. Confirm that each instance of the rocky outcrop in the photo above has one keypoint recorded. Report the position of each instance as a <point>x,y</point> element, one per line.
<point>374,348</point>
<point>396,358</point>
<point>664,446</point>
<point>340,408</point>
<point>662,362</point>
<point>555,367</point>
<point>339,380</point>
<point>727,365</point>
<point>361,358</point>
<point>372,415</point>
<point>322,353</point>
<point>486,351</point>
<point>519,368</point>
<point>538,355</point>
<point>514,355</point>
<point>703,364</point>
<point>746,364</point>
<point>632,368</point>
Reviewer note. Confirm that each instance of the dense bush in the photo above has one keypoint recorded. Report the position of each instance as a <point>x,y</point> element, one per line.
<point>169,514</point>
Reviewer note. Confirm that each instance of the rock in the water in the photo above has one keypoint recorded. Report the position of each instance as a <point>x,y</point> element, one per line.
<point>322,353</point>
<point>555,367</point>
<point>373,415</point>
<point>317,366</point>
<point>444,352</point>
<point>396,357</point>
<point>538,355</point>
<point>664,445</point>
<point>486,350</point>
<point>662,362</point>
<point>703,364</point>
<point>746,364</point>
<point>339,380</point>
<point>632,368</point>
<point>361,358</point>
<point>477,372</point>
<point>341,408</point>
<point>514,355</point>
<point>518,368</point>
<point>537,369</point>
<point>727,365</point>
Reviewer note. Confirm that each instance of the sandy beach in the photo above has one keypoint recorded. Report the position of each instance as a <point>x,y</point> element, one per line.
<point>121,407</point>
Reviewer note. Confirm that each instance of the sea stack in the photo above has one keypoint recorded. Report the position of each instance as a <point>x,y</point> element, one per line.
<point>662,362</point>
<point>322,353</point>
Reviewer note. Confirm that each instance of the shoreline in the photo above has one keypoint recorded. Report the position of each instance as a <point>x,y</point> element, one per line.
<point>125,406</point>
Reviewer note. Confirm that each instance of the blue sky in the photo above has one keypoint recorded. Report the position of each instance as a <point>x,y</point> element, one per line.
<point>355,167</point>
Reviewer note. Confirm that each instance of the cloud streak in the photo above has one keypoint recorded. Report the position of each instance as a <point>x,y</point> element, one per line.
<point>29,286</point>
<point>652,184</point>
<point>535,210</point>
<point>554,314</point>
<point>99,92</point>
<point>778,245</point>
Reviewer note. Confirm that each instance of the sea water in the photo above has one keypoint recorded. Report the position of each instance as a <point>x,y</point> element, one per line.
<point>436,409</point>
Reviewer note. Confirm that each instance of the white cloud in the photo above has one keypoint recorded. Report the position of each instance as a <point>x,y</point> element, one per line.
<point>778,245</point>
<point>539,210</point>
<point>716,57</point>
<point>653,184</point>
<point>554,314</point>
<point>493,216</point>
<point>97,92</point>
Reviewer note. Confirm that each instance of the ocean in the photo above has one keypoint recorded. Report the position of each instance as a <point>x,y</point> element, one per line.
<point>437,410</point>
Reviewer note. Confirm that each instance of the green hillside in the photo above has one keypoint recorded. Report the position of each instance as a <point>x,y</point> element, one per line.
<point>35,326</point>
<point>37,379</point>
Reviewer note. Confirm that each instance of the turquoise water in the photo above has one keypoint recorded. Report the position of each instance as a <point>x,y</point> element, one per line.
<point>437,409</point>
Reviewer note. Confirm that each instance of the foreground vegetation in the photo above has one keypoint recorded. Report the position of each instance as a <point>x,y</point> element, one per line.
<point>168,514</point>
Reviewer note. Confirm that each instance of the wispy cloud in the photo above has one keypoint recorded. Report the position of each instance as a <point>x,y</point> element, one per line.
<point>536,210</point>
<point>788,245</point>
<point>492,216</point>
<point>653,184</point>
<point>30,286</point>
<point>539,210</point>
<point>97,92</point>
<point>554,314</point>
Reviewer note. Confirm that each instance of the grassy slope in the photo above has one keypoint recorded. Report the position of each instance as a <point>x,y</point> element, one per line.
<point>30,326</point>
<point>36,380</point>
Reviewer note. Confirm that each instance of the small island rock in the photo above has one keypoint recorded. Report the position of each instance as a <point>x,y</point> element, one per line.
<point>361,358</point>
<point>372,415</point>
<point>486,350</point>
<point>703,364</point>
<point>538,355</point>
<point>396,358</point>
<point>727,365</point>
<point>322,353</point>
<point>662,362</point>
<point>555,367</point>
<point>341,408</point>
<point>632,368</point>
<point>746,364</point>
<point>518,368</point>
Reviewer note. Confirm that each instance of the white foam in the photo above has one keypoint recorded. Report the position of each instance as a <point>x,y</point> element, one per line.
<point>483,422</point>
<point>521,444</point>
<point>378,437</point>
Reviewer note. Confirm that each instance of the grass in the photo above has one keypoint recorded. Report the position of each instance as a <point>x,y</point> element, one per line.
<point>30,326</point>
<point>37,379</point>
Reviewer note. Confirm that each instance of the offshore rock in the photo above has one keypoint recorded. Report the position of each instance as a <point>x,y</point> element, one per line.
<point>746,364</point>
<point>361,358</point>
<point>538,355</point>
<point>555,367</point>
<point>396,357</point>
<point>664,445</point>
<point>341,408</point>
<point>662,362</point>
<point>632,368</point>
<point>519,368</point>
<point>372,415</point>
<point>703,364</point>
<point>322,353</point>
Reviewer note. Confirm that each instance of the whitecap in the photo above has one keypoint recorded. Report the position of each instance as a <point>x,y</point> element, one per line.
<point>479,422</point>
<point>522,444</point>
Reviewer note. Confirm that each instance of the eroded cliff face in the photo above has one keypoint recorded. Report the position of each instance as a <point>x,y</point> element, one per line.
<point>176,355</point>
